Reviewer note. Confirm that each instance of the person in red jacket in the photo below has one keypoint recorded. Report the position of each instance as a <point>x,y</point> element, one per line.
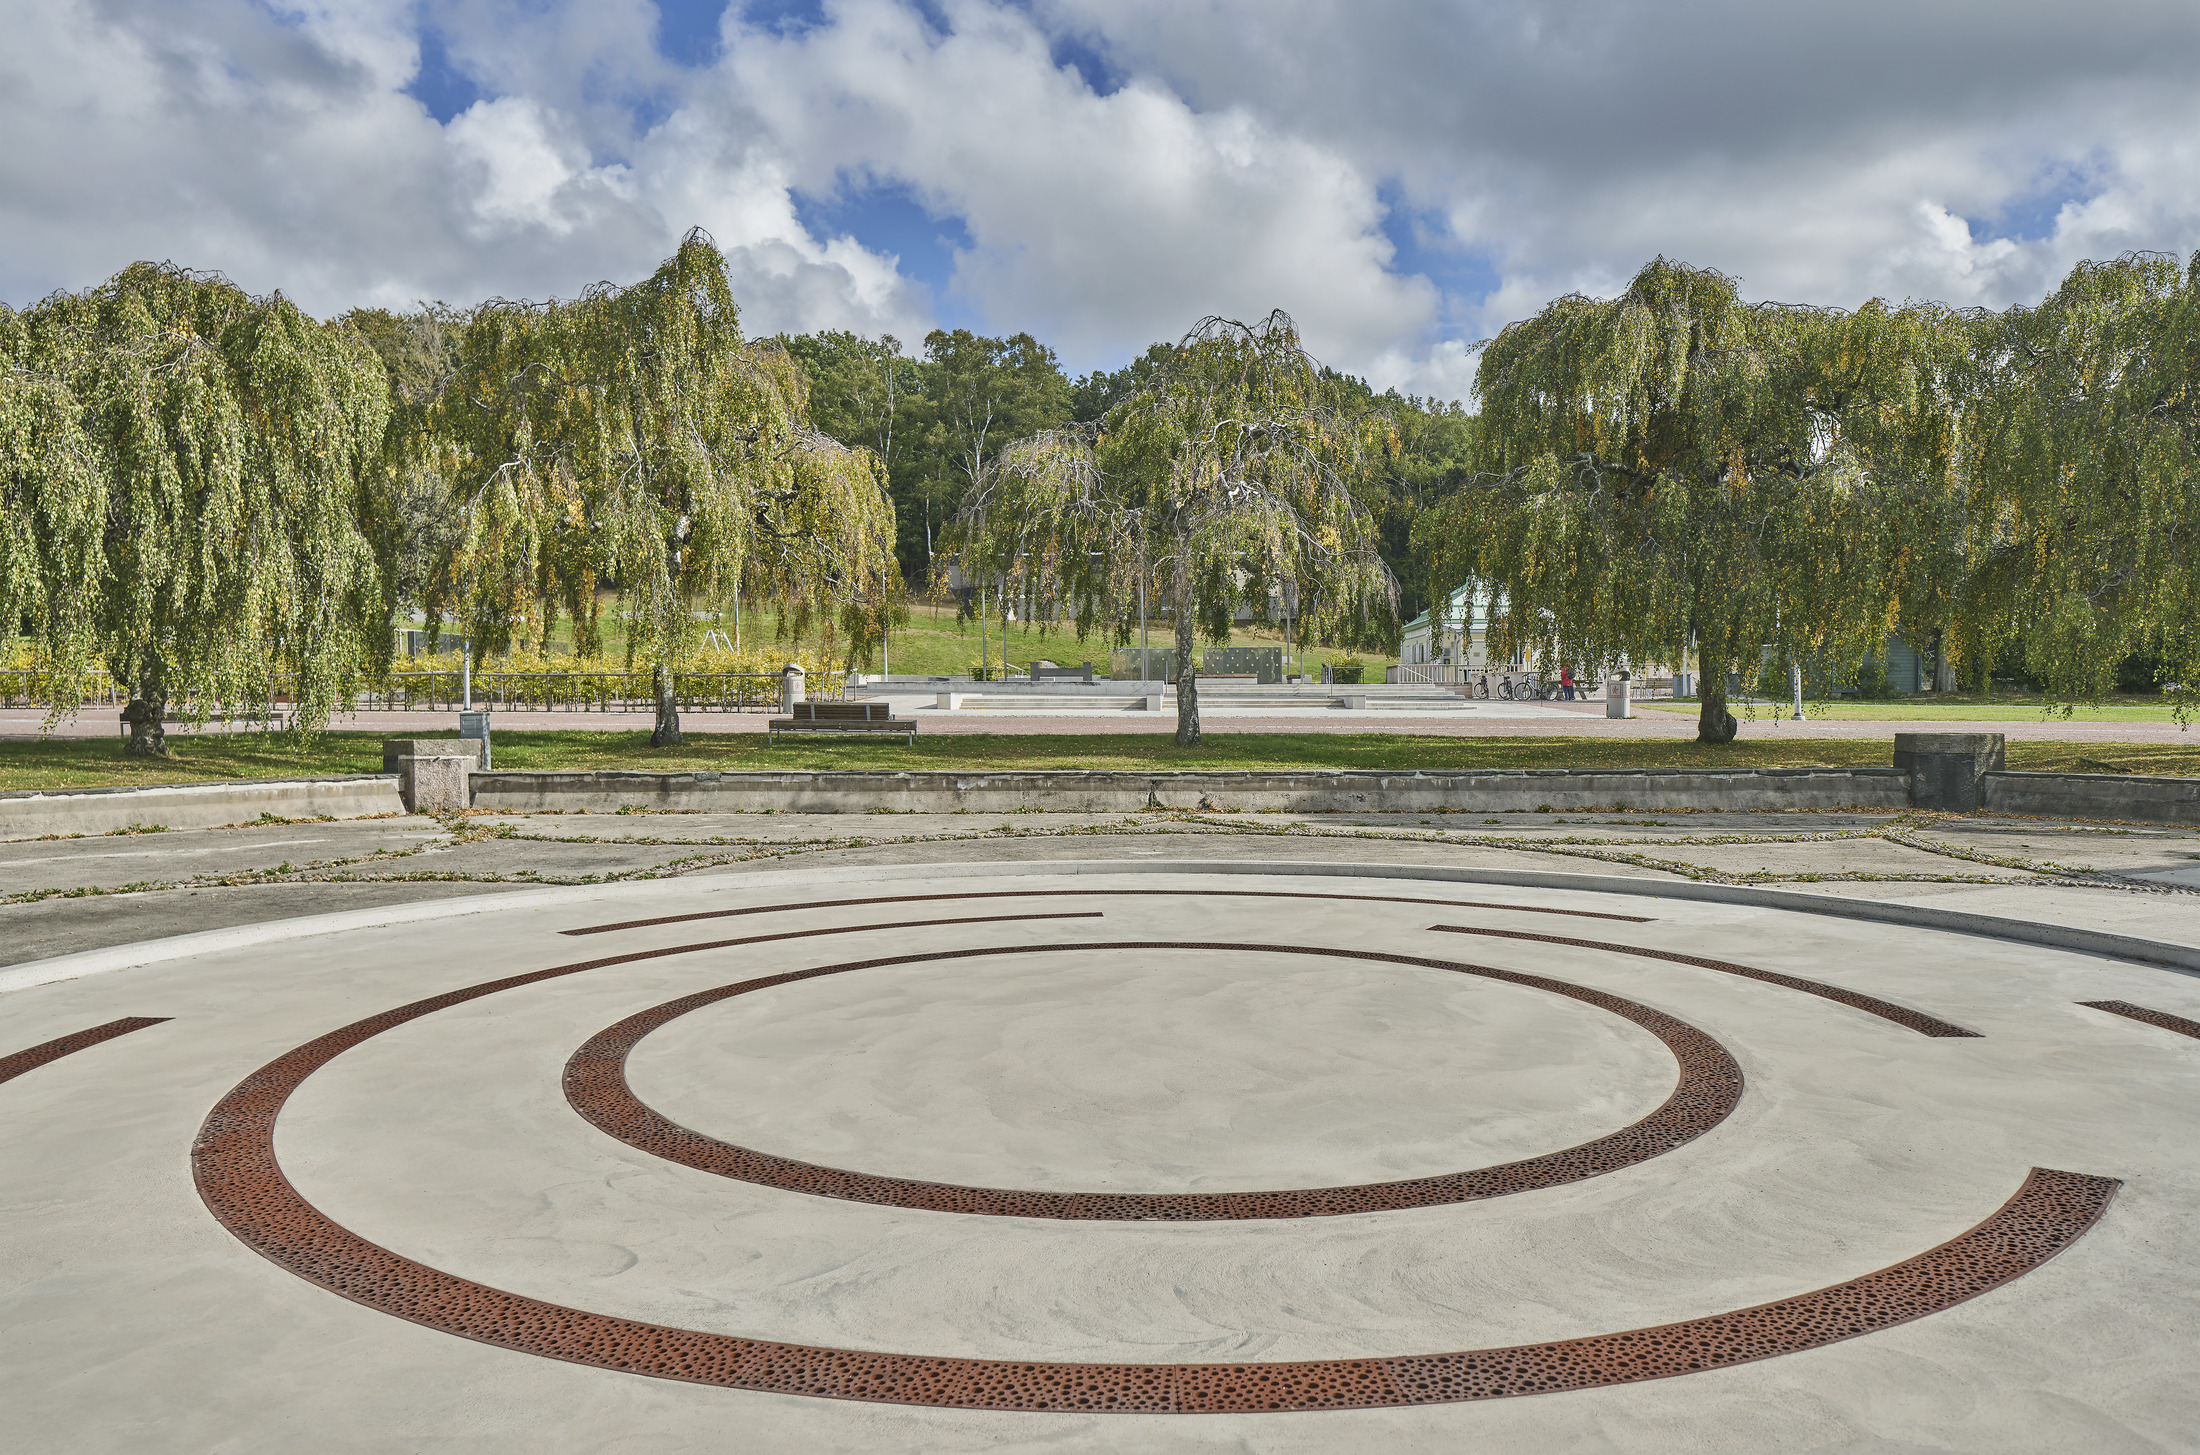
<point>1566,683</point>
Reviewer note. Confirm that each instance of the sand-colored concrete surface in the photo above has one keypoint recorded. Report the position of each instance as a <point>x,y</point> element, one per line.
<point>132,1319</point>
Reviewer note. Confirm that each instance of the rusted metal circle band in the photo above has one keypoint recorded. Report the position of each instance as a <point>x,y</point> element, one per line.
<point>33,1057</point>
<point>681,919</point>
<point>1901,1015</point>
<point>2128,1011</point>
<point>1710,1083</point>
<point>243,1185</point>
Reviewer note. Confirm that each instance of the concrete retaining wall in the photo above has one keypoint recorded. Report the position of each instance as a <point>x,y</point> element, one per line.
<point>193,806</point>
<point>1494,791</point>
<point>2093,795</point>
<point>2165,800</point>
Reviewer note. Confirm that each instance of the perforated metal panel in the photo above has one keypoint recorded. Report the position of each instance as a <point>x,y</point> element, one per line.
<point>53,1050</point>
<point>1709,1086</point>
<point>1901,1015</point>
<point>242,1184</point>
<point>2161,1018</point>
<point>681,919</point>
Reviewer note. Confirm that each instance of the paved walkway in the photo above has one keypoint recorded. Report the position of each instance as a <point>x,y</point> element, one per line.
<point>1022,1158</point>
<point>1470,720</point>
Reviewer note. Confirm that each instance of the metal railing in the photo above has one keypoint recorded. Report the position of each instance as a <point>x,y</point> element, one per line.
<point>590,691</point>
<point>32,687</point>
<point>438,691</point>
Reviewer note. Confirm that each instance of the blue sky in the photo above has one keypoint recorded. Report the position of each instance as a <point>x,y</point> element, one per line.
<point>1403,176</point>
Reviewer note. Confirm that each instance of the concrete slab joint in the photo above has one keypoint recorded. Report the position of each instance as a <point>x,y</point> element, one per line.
<point>1945,768</point>
<point>434,784</point>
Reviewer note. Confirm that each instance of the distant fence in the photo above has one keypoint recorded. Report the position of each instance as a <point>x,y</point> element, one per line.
<point>1426,674</point>
<point>590,691</point>
<point>511,691</point>
<point>32,687</point>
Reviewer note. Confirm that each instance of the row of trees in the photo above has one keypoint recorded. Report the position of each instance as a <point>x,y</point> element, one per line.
<point>200,489</point>
<point>939,420</point>
<point>1675,473</point>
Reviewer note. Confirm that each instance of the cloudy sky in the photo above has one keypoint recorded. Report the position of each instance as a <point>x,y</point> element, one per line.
<point>1403,175</point>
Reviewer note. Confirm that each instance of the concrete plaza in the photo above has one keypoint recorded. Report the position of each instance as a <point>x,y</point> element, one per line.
<point>1077,1132</point>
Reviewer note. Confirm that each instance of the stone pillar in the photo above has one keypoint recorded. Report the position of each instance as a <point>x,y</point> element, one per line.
<point>434,785</point>
<point>791,678</point>
<point>1945,768</point>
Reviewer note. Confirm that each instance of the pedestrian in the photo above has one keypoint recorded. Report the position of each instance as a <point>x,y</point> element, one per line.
<point>1566,683</point>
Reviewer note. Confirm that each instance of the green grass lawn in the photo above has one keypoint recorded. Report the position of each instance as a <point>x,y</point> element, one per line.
<point>1957,710</point>
<point>98,762</point>
<point>934,642</point>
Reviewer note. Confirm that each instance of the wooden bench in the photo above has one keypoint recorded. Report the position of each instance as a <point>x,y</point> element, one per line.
<point>842,717</point>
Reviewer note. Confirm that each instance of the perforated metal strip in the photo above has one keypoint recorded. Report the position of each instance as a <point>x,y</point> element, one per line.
<point>53,1050</point>
<point>2161,1018</point>
<point>1710,1084</point>
<point>678,919</point>
<point>243,1185</point>
<point>1901,1015</point>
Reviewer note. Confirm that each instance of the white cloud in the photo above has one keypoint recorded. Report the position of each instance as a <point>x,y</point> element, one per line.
<point>1822,155</point>
<point>1103,223</point>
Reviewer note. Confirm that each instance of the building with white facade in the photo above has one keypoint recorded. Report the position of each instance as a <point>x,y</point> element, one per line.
<point>1454,632</point>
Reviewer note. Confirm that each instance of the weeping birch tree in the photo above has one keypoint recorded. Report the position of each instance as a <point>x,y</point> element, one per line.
<point>184,479</point>
<point>633,436</point>
<point>1675,472</point>
<point>1225,478</point>
<point>2088,463</point>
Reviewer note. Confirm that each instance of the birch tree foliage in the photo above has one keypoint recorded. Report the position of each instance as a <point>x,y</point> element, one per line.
<point>1225,477</point>
<point>1674,466</point>
<point>183,482</point>
<point>632,436</point>
<point>2089,474</point>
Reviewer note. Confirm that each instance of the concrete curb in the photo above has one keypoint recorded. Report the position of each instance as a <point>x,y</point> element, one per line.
<point>2184,959</point>
<point>1310,791</point>
<point>2118,798</point>
<point>193,805</point>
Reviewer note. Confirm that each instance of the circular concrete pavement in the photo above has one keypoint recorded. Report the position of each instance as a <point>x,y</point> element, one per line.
<point>1034,1155</point>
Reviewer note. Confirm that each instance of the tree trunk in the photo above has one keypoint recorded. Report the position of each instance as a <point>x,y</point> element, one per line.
<point>148,739</point>
<point>1944,671</point>
<point>1187,680</point>
<point>1714,724</point>
<point>667,734</point>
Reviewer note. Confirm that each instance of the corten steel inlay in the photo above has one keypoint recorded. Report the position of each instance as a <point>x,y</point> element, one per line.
<point>680,919</point>
<point>2128,1011</point>
<point>240,1180</point>
<point>53,1050</point>
<point>1710,1084</point>
<point>1901,1015</point>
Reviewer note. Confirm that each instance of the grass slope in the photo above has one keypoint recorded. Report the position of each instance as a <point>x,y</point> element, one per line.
<point>98,762</point>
